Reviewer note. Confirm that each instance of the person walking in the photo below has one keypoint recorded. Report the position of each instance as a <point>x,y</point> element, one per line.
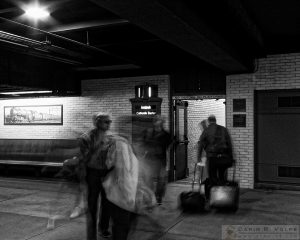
<point>157,142</point>
<point>216,142</point>
<point>94,146</point>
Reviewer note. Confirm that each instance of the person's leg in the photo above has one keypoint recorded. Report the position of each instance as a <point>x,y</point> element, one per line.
<point>121,222</point>
<point>104,214</point>
<point>212,171</point>
<point>161,184</point>
<point>212,176</point>
<point>93,180</point>
<point>222,174</point>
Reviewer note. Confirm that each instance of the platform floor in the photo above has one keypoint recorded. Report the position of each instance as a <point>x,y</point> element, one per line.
<point>25,206</point>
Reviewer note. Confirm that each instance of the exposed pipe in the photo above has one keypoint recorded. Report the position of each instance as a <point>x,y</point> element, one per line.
<point>20,39</point>
<point>37,45</point>
<point>66,39</point>
<point>45,55</point>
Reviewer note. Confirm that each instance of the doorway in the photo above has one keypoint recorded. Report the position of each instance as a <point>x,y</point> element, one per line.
<point>187,130</point>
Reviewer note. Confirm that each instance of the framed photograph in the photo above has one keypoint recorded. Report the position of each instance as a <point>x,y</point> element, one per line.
<point>33,115</point>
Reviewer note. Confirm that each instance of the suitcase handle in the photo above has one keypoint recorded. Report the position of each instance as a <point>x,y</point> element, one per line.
<point>200,177</point>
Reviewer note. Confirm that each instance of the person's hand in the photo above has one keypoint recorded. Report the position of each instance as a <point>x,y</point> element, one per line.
<point>71,161</point>
<point>200,164</point>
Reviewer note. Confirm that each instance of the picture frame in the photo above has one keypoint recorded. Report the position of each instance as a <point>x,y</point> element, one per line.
<point>33,115</point>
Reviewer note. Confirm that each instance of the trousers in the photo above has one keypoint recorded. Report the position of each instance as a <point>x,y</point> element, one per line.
<point>94,179</point>
<point>217,174</point>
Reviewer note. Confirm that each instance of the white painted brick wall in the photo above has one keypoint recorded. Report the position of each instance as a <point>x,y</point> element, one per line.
<point>274,72</point>
<point>198,111</point>
<point>97,95</point>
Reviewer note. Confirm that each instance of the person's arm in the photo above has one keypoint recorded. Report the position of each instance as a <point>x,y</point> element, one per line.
<point>229,143</point>
<point>84,147</point>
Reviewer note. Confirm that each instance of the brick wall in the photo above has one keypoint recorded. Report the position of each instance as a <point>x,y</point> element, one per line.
<point>273,72</point>
<point>97,95</point>
<point>198,111</point>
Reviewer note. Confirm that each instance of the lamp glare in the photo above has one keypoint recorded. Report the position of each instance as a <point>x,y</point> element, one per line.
<point>36,12</point>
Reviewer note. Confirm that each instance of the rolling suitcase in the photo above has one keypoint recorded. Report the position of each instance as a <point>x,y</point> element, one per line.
<point>225,196</point>
<point>193,201</point>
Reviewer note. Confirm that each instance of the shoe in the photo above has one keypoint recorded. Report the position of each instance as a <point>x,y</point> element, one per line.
<point>51,224</point>
<point>159,201</point>
<point>77,211</point>
<point>105,234</point>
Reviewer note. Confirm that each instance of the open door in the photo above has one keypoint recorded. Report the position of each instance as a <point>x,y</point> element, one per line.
<point>181,139</point>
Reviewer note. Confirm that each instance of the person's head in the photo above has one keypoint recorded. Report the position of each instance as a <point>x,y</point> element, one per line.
<point>211,119</point>
<point>102,121</point>
<point>158,123</point>
<point>203,125</point>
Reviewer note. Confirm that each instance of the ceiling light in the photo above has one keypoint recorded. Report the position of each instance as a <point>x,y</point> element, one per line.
<point>36,12</point>
<point>25,92</point>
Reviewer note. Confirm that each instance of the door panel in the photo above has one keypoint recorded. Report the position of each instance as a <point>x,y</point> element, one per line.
<point>278,136</point>
<point>181,143</point>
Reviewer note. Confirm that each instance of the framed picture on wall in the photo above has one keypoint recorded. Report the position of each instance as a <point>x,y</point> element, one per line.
<point>33,115</point>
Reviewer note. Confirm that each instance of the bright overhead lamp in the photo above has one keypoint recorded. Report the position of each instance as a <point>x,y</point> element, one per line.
<point>36,12</point>
<point>25,92</point>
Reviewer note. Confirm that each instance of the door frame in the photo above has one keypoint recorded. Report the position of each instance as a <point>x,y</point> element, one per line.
<point>173,121</point>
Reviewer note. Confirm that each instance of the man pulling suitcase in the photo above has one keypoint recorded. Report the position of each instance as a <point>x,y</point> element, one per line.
<point>216,141</point>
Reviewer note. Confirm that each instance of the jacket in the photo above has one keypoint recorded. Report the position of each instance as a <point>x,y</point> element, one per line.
<point>215,140</point>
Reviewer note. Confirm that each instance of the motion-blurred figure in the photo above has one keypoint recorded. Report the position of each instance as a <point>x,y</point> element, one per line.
<point>94,146</point>
<point>156,142</point>
<point>125,184</point>
<point>80,200</point>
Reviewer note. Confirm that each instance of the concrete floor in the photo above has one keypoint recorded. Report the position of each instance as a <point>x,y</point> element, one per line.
<point>25,206</point>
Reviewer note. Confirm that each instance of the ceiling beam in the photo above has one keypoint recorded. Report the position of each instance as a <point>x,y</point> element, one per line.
<point>8,10</point>
<point>238,11</point>
<point>171,25</point>
<point>86,25</point>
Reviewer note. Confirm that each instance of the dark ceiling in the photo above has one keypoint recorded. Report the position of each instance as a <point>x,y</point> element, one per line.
<point>99,38</point>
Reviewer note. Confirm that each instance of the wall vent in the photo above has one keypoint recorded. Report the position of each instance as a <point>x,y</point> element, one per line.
<point>292,101</point>
<point>291,172</point>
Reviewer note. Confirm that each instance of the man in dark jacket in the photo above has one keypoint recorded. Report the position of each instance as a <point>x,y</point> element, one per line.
<point>216,141</point>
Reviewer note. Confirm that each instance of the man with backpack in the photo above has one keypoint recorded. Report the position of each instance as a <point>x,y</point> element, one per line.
<point>216,142</point>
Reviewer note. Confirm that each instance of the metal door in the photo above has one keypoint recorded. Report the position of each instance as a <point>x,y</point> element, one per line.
<point>181,139</point>
<point>278,136</point>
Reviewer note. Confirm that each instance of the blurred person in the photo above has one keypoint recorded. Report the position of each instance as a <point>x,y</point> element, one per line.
<point>157,142</point>
<point>80,201</point>
<point>70,172</point>
<point>124,185</point>
<point>202,158</point>
<point>94,146</point>
<point>216,141</point>
<point>120,186</point>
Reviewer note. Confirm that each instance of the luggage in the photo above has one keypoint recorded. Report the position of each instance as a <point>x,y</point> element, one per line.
<point>193,201</point>
<point>225,196</point>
